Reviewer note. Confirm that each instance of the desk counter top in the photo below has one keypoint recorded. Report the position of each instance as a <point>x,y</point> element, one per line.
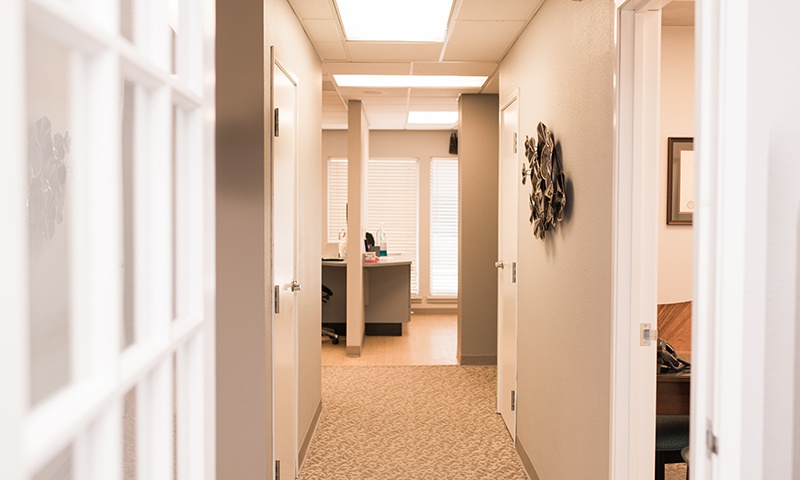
<point>387,261</point>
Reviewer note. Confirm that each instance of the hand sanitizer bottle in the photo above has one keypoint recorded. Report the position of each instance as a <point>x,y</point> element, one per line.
<point>342,244</point>
<point>382,240</point>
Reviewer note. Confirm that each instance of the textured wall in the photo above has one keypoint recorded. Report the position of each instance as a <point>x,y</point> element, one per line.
<point>677,120</point>
<point>478,147</point>
<point>563,65</point>
<point>295,53</point>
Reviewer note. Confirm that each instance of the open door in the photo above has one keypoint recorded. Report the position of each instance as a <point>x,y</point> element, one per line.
<point>507,265</point>
<point>284,257</point>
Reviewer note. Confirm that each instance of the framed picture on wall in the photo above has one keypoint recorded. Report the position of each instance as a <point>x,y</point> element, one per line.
<point>680,180</point>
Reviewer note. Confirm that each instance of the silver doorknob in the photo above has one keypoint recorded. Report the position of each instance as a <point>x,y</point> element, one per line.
<point>499,264</point>
<point>296,286</point>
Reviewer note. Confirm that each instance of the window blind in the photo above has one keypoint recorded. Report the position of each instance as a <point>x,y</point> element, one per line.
<point>393,199</point>
<point>444,227</point>
<point>337,197</point>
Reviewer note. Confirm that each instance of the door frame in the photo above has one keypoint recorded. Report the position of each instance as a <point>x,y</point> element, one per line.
<point>513,97</point>
<point>638,32</point>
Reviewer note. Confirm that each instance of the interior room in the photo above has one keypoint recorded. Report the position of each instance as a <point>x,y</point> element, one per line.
<point>312,239</point>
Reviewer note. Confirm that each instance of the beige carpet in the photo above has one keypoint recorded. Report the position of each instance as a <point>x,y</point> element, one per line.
<point>423,422</point>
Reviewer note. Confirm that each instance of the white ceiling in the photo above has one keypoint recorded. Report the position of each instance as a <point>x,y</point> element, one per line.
<point>479,35</point>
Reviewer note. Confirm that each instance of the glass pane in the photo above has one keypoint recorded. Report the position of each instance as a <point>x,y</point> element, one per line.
<point>128,199</point>
<point>126,18</point>
<point>59,468</point>
<point>48,70</point>
<point>173,24</point>
<point>129,435</point>
<point>175,141</point>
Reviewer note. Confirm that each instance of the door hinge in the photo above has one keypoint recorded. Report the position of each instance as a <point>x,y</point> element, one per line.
<point>277,299</point>
<point>647,334</point>
<point>513,272</point>
<point>711,439</point>
<point>513,400</point>
<point>277,470</point>
<point>515,142</point>
<point>277,123</point>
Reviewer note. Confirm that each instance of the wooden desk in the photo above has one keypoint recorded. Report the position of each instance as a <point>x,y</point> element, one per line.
<point>673,393</point>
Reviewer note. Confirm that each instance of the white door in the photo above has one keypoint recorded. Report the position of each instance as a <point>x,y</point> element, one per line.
<point>285,283</point>
<point>107,249</point>
<point>507,265</point>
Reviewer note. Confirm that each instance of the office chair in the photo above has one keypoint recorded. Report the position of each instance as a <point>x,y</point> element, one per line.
<point>328,332</point>
<point>672,435</point>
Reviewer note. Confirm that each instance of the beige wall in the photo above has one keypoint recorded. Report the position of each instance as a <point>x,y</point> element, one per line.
<point>677,120</point>
<point>245,30</point>
<point>478,148</point>
<point>420,144</point>
<point>357,218</point>
<point>563,65</point>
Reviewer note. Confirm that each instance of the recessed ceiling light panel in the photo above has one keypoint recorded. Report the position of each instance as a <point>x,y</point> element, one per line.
<point>410,81</point>
<point>395,21</point>
<point>432,118</point>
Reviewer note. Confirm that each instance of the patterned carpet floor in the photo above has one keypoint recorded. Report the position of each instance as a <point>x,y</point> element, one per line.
<point>417,422</point>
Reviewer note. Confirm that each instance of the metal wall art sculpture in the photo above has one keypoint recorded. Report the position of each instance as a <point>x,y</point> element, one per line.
<point>548,197</point>
<point>47,178</point>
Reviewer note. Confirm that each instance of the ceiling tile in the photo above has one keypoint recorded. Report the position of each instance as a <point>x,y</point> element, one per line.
<point>331,50</point>
<point>498,9</point>
<point>454,68</point>
<point>383,68</point>
<point>322,30</point>
<point>363,51</point>
<point>359,92</point>
<point>396,99</point>
<point>433,103</point>
<point>496,32</point>
<point>313,9</point>
<point>473,51</point>
<point>441,92</point>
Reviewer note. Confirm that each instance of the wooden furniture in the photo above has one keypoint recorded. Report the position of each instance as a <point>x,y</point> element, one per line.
<point>387,295</point>
<point>673,393</point>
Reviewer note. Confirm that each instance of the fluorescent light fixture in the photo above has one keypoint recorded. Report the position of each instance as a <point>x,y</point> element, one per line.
<point>431,118</point>
<point>394,20</point>
<point>410,81</point>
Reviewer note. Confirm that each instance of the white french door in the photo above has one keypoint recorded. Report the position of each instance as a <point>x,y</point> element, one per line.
<point>107,246</point>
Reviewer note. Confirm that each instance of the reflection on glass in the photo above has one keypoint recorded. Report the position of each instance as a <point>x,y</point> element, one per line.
<point>126,18</point>
<point>59,468</point>
<point>174,20</point>
<point>129,435</point>
<point>50,167</point>
<point>128,199</point>
<point>174,212</point>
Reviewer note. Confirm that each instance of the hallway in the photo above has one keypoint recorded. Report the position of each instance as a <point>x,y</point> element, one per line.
<point>407,422</point>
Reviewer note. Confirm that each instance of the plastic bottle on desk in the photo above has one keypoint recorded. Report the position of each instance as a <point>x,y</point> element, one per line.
<point>382,241</point>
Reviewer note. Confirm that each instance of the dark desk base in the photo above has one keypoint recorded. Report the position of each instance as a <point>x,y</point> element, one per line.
<point>372,329</point>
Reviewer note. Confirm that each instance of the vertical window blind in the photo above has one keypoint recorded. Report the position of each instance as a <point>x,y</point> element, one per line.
<point>393,198</point>
<point>444,227</point>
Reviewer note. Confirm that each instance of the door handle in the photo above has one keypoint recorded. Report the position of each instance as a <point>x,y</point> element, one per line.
<point>499,264</point>
<point>296,286</point>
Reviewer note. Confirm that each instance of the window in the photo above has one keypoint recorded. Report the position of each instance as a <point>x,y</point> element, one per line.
<point>337,197</point>
<point>444,227</point>
<point>393,186</point>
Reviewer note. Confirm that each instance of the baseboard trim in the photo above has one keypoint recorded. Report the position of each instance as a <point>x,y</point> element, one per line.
<point>312,429</point>
<point>477,360</point>
<point>527,464</point>
<point>354,350</point>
